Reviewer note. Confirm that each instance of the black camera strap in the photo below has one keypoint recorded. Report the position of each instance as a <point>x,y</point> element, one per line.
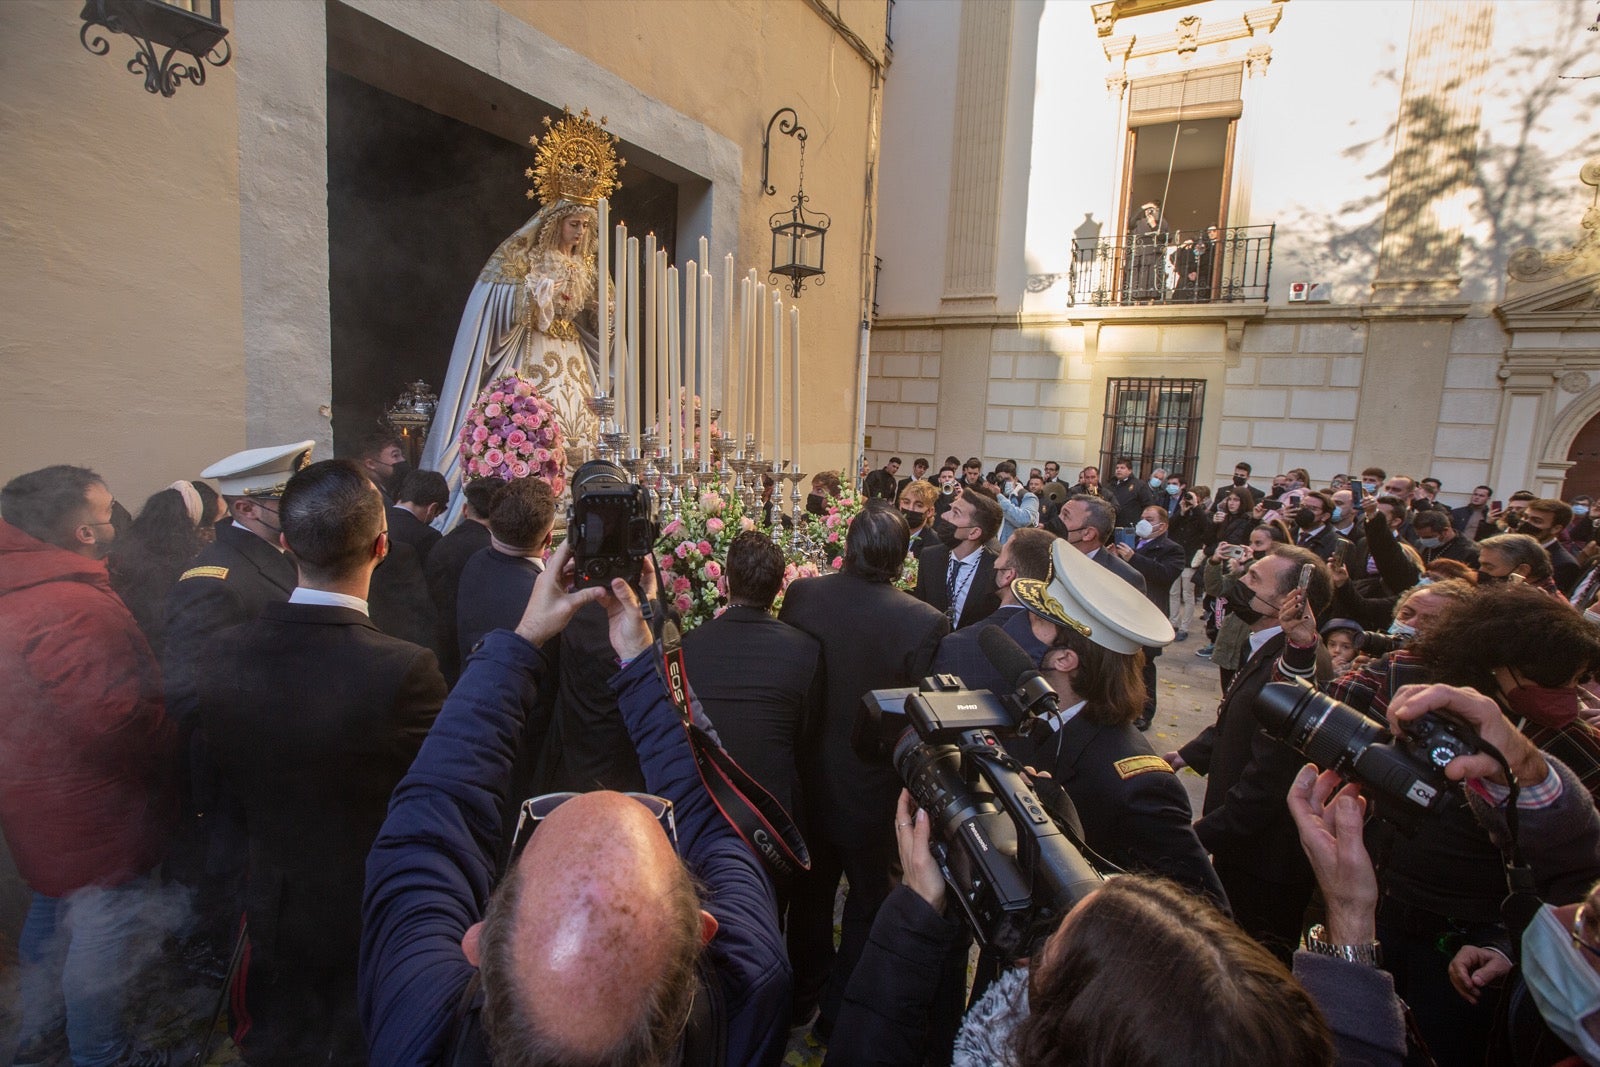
<point>755,814</point>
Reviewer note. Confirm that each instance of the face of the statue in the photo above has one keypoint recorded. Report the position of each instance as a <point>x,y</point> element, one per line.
<point>573,229</point>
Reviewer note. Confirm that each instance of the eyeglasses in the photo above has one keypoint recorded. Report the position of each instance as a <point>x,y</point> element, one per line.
<point>536,810</point>
<point>1578,923</point>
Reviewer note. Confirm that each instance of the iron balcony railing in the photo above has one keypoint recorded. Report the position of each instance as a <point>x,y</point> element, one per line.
<point>1176,268</point>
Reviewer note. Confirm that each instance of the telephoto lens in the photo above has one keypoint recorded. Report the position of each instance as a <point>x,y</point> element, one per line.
<point>1337,737</point>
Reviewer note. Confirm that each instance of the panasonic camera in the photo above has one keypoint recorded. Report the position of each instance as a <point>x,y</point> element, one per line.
<point>609,525</point>
<point>1005,857</point>
<point>1404,776</point>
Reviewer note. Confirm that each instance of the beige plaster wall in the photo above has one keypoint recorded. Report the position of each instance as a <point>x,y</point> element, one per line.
<point>120,323</point>
<point>730,64</point>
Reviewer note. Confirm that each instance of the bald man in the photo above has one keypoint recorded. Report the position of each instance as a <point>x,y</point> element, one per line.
<point>572,967</point>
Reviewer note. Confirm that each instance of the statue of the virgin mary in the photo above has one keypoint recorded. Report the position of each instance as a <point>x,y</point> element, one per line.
<point>534,309</point>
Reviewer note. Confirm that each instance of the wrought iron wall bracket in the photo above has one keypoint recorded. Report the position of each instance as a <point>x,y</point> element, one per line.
<point>790,128</point>
<point>152,28</point>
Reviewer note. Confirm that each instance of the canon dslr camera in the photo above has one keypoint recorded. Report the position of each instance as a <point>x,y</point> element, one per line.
<point>1403,775</point>
<point>1006,859</point>
<point>609,525</point>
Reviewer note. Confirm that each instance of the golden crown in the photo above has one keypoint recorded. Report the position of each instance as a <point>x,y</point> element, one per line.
<point>575,161</point>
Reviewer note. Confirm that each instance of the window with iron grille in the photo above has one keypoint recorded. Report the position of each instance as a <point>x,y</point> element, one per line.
<point>1155,422</point>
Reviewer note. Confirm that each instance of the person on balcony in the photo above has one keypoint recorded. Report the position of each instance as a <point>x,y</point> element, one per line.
<point>1147,239</point>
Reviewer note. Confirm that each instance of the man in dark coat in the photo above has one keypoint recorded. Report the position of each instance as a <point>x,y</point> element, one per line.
<point>756,677</point>
<point>449,558</point>
<point>1159,560</point>
<point>1026,555</point>
<point>1472,521</point>
<point>1245,823</point>
<point>1130,495</point>
<point>957,575</point>
<point>496,583</point>
<point>312,716</point>
<point>873,636</point>
<point>421,498</point>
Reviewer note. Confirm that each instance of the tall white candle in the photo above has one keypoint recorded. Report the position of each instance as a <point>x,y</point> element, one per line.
<point>729,346</point>
<point>652,307</point>
<point>663,357</point>
<point>619,348</point>
<point>602,240</point>
<point>777,378</point>
<point>794,386</point>
<point>758,359</point>
<point>741,403</point>
<point>691,356</point>
<point>705,370</point>
<point>674,433</point>
<point>634,368</point>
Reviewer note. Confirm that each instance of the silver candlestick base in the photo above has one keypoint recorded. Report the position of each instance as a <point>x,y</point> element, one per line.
<point>795,477</point>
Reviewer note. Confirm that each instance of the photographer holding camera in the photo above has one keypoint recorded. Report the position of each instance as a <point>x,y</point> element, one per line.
<point>559,962</point>
<point>1443,886</point>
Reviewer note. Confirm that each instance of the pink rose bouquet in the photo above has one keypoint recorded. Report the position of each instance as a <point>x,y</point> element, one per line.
<point>511,432</point>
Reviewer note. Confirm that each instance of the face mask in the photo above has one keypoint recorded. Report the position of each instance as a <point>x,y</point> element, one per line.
<point>1549,706</point>
<point>1173,489</point>
<point>1564,986</point>
<point>401,469</point>
<point>816,504</point>
<point>1484,577</point>
<point>1523,526</point>
<point>1338,513</point>
<point>1430,542</point>
<point>1245,613</point>
<point>1305,520</point>
<point>1400,629</point>
<point>913,518</point>
<point>1580,509</point>
<point>1239,479</point>
<point>1143,528</point>
<point>948,533</point>
<point>1371,488</point>
<point>1155,483</point>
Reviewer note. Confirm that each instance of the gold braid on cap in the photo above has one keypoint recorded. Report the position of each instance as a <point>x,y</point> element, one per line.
<point>575,161</point>
<point>1035,596</point>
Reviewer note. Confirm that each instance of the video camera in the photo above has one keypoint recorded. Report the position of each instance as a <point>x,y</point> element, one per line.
<point>1403,776</point>
<point>1004,856</point>
<point>609,525</point>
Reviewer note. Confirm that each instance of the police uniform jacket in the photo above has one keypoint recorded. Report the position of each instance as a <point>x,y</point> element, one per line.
<point>230,582</point>
<point>1134,810</point>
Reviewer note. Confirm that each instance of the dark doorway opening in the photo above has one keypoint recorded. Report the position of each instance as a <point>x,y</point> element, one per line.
<point>1583,477</point>
<point>419,198</point>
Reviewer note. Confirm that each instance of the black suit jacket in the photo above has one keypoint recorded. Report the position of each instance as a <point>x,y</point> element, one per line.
<point>404,526</point>
<point>1324,543</point>
<point>492,595</point>
<point>1159,561</point>
<point>961,655</point>
<point>1245,815</point>
<point>982,594</point>
<point>758,682</point>
<point>1567,569</point>
<point>1133,809</point>
<point>399,600</point>
<point>873,636</point>
<point>312,715</point>
<point>1131,496</point>
<point>229,583</point>
<point>445,563</point>
<point>1110,562</point>
<point>588,746</point>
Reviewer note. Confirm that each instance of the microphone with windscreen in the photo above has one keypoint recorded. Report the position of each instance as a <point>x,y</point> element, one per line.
<point>1027,694</point>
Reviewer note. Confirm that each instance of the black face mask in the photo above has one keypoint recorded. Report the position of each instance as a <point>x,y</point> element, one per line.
<point>1484,577</point>
<point>913,519</point>
<point>1243,611</point>
<point>1239,479</point>
<point>121,518</point>
<point>816,504</point>
<point>401,469</point>
<point>1305,520</point>
<point>947,532</point>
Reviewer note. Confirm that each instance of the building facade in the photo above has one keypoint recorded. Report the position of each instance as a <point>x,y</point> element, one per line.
<point>274,254</point>
<point>1403,272</point>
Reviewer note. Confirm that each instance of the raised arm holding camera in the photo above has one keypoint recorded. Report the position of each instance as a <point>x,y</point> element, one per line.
<point>558,960</point>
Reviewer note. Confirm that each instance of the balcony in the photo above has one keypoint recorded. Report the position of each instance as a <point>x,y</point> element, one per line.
<point>1122,272</point>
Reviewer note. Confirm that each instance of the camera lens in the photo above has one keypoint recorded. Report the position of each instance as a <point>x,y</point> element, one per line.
<point>1330,734</point>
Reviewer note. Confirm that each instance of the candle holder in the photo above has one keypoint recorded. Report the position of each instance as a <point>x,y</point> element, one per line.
<point>609,443</point>
<point>795,477</point>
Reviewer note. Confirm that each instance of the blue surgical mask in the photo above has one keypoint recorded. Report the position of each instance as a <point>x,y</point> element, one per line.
<point>1143,528</point>
<point>1564,986</point>
<point>1371,488</point>
<point>1173,489</point>
<point>1155,483</point>
<point>1430,542</point>
<point>1400,629</point>
<point>1580,509</point>
<point>1338,513</point>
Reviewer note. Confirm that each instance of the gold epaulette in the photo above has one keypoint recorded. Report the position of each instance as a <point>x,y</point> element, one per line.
<point>1133,765</point>
<point>220,573</point>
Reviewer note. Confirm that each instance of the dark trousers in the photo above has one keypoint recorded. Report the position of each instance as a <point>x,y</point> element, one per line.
<point>1271,912</point>
<point>1149,686</point>
<point>820,973</point>
<point>290,1014</point>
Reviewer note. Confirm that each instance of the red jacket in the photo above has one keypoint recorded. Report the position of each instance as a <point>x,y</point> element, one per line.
<point>87,754</point>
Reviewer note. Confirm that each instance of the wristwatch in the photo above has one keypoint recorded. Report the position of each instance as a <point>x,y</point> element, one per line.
<point>1366,952</point>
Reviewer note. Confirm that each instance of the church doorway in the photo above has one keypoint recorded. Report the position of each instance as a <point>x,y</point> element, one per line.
<point>1583,477</point>
<point>425,178</point>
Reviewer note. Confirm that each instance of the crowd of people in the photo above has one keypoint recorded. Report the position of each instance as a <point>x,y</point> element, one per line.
<point>334,730</point>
